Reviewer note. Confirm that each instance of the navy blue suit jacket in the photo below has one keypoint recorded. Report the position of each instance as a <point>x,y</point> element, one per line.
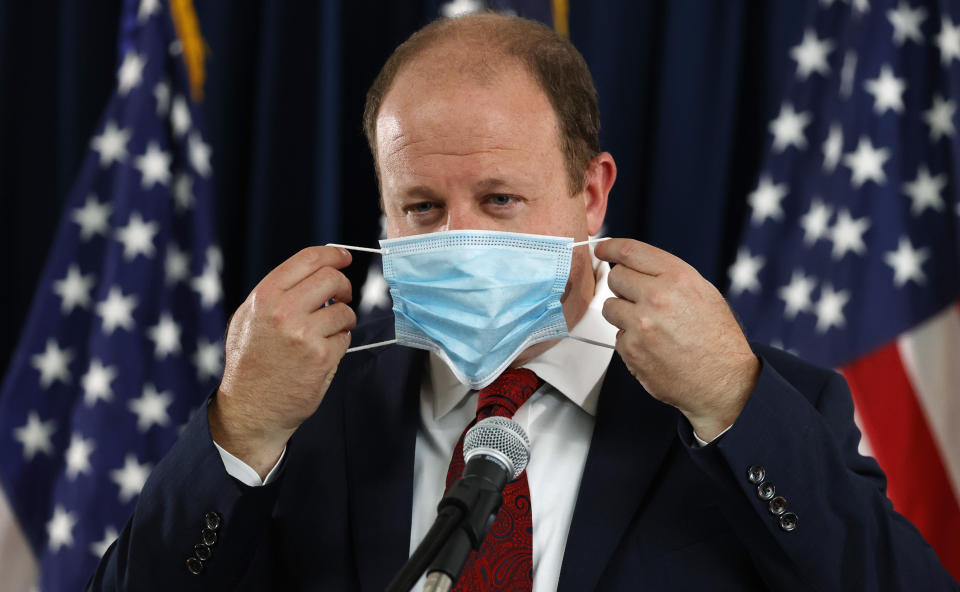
<point>654,512</point>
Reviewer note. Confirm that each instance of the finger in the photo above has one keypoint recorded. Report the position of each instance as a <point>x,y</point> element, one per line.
<point>331,320</point>
<point>629,284</point>
<point>318,288</point>
<point>617,311</point>
<point>292,271</point>
<point>634,254</point>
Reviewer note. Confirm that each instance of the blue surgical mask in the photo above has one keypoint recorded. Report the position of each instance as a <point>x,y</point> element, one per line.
<point>477,298</point>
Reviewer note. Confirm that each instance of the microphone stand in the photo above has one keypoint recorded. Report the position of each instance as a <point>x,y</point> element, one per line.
<point>438,582</point>
<point>464,515</point>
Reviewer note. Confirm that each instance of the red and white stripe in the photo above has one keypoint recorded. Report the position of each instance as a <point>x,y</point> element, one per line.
<point>18,567</point>
<point>907,396</point>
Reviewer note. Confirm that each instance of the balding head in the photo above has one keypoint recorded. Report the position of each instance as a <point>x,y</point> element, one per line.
<point>478,50</point>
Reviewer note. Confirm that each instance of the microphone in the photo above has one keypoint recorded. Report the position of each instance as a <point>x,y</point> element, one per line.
<point>496,451</point>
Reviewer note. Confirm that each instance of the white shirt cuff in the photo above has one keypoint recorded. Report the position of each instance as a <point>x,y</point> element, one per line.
<point>243,472</point>
<point>700,441</point>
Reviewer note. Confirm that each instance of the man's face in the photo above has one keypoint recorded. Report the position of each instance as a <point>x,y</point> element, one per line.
<point>455,154</point>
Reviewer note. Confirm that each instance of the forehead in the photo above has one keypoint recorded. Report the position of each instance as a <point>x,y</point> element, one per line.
<point>449,102</point>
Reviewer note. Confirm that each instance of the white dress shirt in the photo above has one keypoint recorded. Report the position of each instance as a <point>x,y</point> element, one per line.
<point>558,418</point>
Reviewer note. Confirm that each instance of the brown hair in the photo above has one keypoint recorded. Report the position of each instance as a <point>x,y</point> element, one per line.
<point>553,61</point>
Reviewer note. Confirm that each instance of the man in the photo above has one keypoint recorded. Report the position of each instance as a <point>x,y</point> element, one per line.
<point>687,460</point>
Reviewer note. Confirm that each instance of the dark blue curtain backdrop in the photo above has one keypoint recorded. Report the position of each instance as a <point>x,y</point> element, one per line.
<point>686,90</point>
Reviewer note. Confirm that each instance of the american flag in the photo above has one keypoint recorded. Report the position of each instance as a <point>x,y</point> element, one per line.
<point>850,253</point>
<point>124,337</point>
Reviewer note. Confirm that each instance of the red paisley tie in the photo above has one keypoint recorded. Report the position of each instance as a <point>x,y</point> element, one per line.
<point>505,559</point>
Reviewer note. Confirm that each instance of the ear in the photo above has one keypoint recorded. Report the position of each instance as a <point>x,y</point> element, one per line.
<point>599,178</point>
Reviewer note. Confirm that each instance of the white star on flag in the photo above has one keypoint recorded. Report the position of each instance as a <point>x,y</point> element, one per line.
<point>207,285</point>
<point>924,191</point>
<point>787,128</point>
<point>100,547</point>
<point>183,192</point>
<point>743,272</point>
<point>165,336</point>
<point>906,23</point>
<point>130,478</point>
<point>137,237</point>
<point>866,163</point>
<point>161,93</point>
<point>847,234</point>
<point>375,292</point>
<point>35,436</point>
<point>796,294</point>
<point>154,166</point>
<point>456,8</point>
<point>151,408</point>
<point>53,364</point>
<point>829,308</point>
<point>176,265</point>
<point>117,310</point>
<point>940,118</point>
<point>180,117</point>
<point>887,91</point>
<point>811,55</point>
<point>77,456</point>
<point>848,73</point>
<point>131,72</point>
<point>199,154</point>
<point>816,222</point>
<point>74,289</point>
<point>948,40</point>
<point>907,262</point>
<point>208,359</point>
<point>765,201</point>
<point>96,383</point>
<point>147,9</point>
<point>60,529</point>
<point>93,218</point>
<point>861,6</point>
<point>111,144</point>
<point>832,147</point>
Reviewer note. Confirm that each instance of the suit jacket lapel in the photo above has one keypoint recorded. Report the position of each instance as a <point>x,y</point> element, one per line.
<point>632,434</point>
<point>382,414</point>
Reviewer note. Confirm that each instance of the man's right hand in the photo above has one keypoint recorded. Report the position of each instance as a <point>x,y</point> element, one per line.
<point>282,351</point>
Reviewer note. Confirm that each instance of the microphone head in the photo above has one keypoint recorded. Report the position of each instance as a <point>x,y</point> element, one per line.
<point>501,438</point>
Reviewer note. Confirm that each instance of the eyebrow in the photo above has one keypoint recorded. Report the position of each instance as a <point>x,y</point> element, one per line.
<point>425,192</point>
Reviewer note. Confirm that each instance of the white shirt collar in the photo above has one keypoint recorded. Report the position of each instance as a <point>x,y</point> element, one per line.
<point>574,368</point>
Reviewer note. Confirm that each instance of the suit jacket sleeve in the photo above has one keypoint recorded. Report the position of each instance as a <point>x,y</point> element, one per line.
<point>191,482</point>
<point>798,426</point>
<point>171,515</point>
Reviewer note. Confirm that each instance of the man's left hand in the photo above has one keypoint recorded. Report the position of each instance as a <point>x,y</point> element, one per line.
<point>678,336</point>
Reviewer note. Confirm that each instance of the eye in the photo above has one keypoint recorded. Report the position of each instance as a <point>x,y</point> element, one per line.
<point>420,207</point>
<point>501,199</point>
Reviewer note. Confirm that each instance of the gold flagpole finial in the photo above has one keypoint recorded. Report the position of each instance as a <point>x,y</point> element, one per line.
<point>194,47</point>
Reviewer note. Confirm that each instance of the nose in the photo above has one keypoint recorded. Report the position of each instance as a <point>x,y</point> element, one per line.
<point>467,217</point>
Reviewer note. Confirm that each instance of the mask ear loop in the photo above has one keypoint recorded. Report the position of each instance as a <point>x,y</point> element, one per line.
<point>366,250</point>
<point>591,241</point>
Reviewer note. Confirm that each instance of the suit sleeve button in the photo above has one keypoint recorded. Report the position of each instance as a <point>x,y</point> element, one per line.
<point>208,537</point>
<point>756,474</point>
<point>212,520</point>
<point>194,566</point>
<point>202,552</point>
<point>788,522</point>
<point>778,505</point>
<point>765,491</point>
